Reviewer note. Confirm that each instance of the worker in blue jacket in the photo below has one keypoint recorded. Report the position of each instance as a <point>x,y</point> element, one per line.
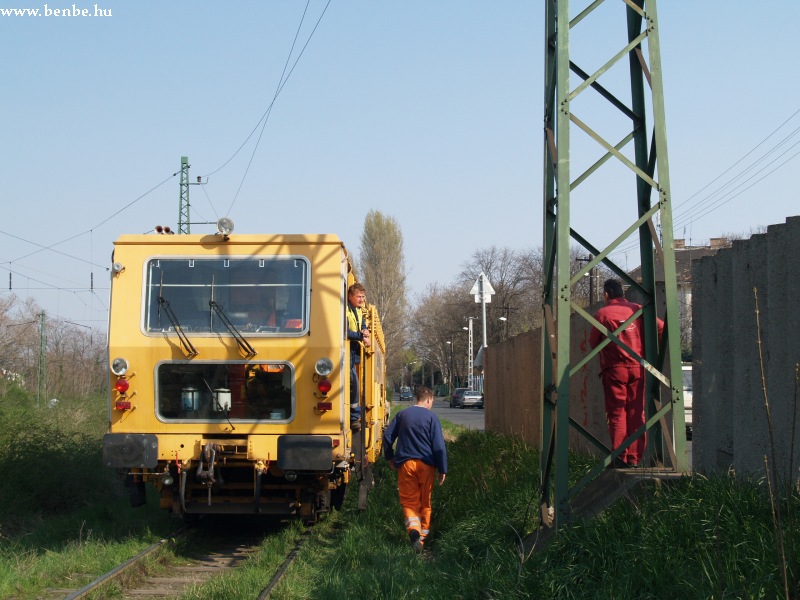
<point>419,454</point>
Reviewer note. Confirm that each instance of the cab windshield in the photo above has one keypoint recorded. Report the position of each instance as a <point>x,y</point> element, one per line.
<point>260,296</point>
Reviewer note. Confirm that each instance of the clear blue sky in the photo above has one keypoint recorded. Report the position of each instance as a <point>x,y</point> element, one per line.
<point>429,111</point>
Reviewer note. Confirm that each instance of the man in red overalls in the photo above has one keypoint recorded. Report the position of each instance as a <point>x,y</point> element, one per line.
<point>623,376</point>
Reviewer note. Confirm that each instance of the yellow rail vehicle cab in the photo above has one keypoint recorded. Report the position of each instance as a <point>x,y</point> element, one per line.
<point>229,374</point>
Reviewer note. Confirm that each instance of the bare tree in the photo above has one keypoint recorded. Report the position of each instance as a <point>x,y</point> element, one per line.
<point>74,359</point>
<point>730,237</point>
<point>438,321</point>
<point>437,334</point>
<point>505,270</point>
<point>75,362</point>
<point>532,282</point>
<point>21,342</point>
<point>382,260</point>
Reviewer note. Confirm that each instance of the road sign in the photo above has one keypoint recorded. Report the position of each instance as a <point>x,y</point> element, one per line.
<point>482,290</point>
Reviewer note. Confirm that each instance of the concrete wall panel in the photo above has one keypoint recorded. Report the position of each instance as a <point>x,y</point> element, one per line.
<point>749,429</point>
<point>730,418</point>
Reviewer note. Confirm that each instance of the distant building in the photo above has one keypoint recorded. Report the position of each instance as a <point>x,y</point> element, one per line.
<point>684,255</point>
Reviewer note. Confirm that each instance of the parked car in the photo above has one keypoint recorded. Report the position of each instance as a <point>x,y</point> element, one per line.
<point>687,398</point>
<point>405,393</point>
<point>455,399</point>
<point>471,398</point>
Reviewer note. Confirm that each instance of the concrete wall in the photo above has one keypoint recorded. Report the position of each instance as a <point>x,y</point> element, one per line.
<point>730,423</point>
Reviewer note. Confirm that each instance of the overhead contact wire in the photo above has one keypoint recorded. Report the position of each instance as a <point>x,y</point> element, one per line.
<point>739,180</point>
<point>756,147</point>
<point>64,241</point>
<point>264,116</point>
<point>268,112</point>
<point>703,207</point>
<point>281,83</point>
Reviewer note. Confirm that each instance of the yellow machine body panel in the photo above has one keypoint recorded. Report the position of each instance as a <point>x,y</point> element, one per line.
<point>231,353</point>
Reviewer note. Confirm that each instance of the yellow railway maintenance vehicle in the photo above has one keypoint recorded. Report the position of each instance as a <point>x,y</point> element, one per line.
<point>229,374</point>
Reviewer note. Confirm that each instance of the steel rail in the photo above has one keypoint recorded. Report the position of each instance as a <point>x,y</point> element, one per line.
<point>116,571</point>
<point>276,579</point>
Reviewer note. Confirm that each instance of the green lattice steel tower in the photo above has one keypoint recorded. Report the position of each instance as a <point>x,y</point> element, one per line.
<point>606,88</point>
<point>183,209</point>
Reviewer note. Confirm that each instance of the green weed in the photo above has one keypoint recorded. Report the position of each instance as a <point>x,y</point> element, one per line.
<point>696,537</point>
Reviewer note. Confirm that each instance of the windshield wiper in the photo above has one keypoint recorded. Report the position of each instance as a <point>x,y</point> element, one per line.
<point>163,303</point>
<point>244,345</point>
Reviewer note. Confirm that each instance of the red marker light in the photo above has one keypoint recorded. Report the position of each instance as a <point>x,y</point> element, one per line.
<point>122,386</point>
<point>321,406</point>
<point>324,386</point>
<point>123,405</point>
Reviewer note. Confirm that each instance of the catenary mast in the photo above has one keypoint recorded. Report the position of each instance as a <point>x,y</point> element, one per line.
<point>629,178</point>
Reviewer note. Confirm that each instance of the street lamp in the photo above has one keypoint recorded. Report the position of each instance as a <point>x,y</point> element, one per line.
<point>590,275</point>
<point>450,385</point>
<point>505,323</point>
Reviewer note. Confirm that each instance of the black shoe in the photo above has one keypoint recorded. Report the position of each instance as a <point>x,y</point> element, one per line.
<point>355,425</point>
<point>416,543</point>
<point>618,463</point>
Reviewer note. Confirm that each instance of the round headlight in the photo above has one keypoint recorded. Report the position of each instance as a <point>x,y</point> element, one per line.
<point>119,366</point>
<point>324,367</point>
<point>225,226</point>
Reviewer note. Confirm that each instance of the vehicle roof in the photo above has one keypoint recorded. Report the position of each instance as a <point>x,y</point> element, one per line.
<point>235,239</point>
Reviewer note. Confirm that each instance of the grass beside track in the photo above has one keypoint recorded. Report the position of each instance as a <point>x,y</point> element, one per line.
<point>64,517</point>
<point>694,538</point>
<point>64,520</point>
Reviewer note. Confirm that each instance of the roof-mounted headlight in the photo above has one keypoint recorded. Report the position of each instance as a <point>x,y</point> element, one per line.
<point>225,226</point>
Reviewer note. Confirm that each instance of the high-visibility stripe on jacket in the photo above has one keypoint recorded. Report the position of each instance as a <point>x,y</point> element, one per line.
<point>415,485</point>
<point>355,323</point>
<point>355,318</point>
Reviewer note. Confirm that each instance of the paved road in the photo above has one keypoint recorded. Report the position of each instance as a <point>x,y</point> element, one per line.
<point>471,418</point>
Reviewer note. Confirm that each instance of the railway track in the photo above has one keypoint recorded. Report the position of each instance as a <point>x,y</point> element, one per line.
<point>210,558</point>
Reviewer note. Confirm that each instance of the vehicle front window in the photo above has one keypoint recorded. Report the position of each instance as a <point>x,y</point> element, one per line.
<point>260,296</point>
<point>217,391</point>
